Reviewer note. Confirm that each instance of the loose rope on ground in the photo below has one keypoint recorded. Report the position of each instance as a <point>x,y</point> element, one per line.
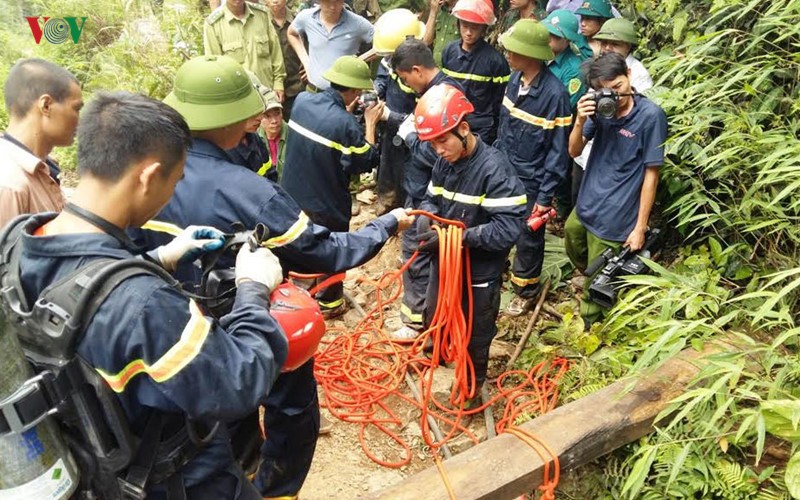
<point>361,371</point>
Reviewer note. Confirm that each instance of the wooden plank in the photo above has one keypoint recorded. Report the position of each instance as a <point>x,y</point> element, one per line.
<point>579,432</point>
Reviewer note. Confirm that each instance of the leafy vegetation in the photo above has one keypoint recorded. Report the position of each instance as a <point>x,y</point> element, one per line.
<point>124,45</point>
<point>727,73</point>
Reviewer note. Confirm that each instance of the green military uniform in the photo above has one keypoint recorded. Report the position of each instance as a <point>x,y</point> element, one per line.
<point>446,32</point>
<point>412,5</point>
<point>368,9</point>
<point>567,67</point>
<point>512,16</point>
<point>251,41</point>
<point>292,85</point>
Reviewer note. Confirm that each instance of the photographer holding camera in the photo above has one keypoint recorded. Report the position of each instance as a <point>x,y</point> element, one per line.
<point>619,185</point>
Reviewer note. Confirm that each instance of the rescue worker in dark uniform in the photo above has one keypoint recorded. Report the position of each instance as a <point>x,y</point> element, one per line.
<point>482,71</point>
<point>474,183</point>
<point>148,341</point>
<point>534,133</point>
<point>413,62</point>
<point>219,193</point>
<point>325,148</point>
<point>391,30</point>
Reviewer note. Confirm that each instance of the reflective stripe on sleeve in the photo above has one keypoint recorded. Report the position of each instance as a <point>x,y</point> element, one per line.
<point>265,168</point>
<point>294,232</point>
<point>471,199</point>
<point>173,361</point>
<point>327,142</point>
<point>476,78</point>
<point>162,227</point>
<point>538,121</point>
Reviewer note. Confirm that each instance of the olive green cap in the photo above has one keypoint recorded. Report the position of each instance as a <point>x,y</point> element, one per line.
<point>618,30</point>
<point>349,72</point>
<point>529,38</point>
<point>595,8</point>
<point>213,92</point>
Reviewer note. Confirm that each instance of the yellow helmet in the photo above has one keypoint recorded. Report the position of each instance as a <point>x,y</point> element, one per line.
<point>392,29</point>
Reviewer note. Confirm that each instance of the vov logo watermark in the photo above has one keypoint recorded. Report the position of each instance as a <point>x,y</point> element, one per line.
<point>56,30</point>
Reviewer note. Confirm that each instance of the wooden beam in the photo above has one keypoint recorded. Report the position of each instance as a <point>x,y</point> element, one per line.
<point>579,432</point>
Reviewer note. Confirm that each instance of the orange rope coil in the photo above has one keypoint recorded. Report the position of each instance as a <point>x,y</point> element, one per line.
<point>362,371</point>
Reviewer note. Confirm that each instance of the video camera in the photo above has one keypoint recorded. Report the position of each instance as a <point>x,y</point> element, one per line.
<point>605,286</point>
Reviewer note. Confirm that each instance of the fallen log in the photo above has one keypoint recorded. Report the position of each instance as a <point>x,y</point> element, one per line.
<point>578,432</point>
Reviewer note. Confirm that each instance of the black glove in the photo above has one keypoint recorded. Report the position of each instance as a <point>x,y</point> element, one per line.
<point>427,237</point>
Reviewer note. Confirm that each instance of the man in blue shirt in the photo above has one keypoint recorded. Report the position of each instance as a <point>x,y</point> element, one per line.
<point>619,185</point>
<point>331,32</point>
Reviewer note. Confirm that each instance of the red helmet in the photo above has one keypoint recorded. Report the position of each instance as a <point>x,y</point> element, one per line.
<point>475,11</point>
<point>299,316</point>
<point>440,110</point>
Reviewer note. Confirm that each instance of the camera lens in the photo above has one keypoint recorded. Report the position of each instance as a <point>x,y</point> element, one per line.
<point>607,107</point>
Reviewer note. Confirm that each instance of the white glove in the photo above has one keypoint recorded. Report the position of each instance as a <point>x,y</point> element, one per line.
<point>404,220</point>
<point>189,245</point>
<point>386,113</point>
<point>260,266</point>
<point>407,127</point>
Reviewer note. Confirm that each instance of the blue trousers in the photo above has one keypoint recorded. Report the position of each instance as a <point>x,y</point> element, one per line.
<point>415,279</point>
<point>485,307</point>
<point>292,427</point>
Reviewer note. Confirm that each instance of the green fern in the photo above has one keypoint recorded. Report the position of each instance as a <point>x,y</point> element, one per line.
<point>733,481</point>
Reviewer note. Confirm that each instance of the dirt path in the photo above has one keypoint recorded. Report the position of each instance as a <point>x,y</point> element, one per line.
<point>341,469</point>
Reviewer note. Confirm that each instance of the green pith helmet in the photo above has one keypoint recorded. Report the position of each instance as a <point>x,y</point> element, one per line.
<point>563,24</point>
<point>618,30</point>
<point>529,38</point>
<point>213,92</point>
<point>349,72</point>
<point>595,8</point>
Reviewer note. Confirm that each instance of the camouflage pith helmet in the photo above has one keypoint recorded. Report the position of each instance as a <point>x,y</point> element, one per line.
<point>349,72</point>
<point>563,24</point>
<point>529,38</point>
<point>595,8</point>
<point>618,30</point>
<point>213,92</point>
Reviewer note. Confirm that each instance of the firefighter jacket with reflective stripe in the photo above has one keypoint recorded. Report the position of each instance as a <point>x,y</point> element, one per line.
<point>418,170</point>
<point>399,98</point>
<point>483,72</point>
<point>252,153</point>
<point>483,192</point>
<point>324,148</point>
<point>156,349</point>
<point>534,132</point>
<point>215,192</point>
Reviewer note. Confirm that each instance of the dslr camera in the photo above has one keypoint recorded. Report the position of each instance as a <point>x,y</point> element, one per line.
<point>605,285</point>
<point>606,102</point>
